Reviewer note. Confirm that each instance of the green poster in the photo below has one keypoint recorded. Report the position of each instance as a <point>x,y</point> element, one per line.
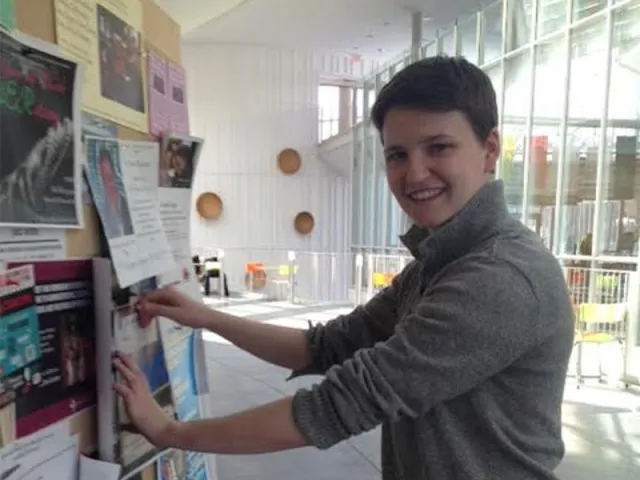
<point>7,14</point>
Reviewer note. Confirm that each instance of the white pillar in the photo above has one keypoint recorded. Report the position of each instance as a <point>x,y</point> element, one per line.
<point>416,35</point>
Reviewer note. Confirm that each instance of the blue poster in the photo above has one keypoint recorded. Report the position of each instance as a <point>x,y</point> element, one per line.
<point>180,346</point>
<point>19,340</point>
<point>182,377</point>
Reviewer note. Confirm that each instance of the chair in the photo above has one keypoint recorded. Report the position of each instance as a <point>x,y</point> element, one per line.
<point>599,324</point>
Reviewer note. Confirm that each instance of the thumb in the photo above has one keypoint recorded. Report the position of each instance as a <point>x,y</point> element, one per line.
<point>150,309</point>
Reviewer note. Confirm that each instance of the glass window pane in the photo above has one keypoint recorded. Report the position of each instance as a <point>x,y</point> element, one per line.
<point>468,33</point>
<point>545,143</point>
<point>586,102</point>
<point>357,200</point>
<point>329,102</point>
<point>618,223</point>
<point>519,23</point>
<point>585,8</point>
<point>493,32</point>
<point>518,90</point>
<point>552,16</point>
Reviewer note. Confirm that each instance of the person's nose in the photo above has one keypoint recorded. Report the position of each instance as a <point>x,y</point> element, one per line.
<point>418,168</point>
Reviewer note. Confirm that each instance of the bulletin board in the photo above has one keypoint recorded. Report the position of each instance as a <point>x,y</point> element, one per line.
<point>159,35</point>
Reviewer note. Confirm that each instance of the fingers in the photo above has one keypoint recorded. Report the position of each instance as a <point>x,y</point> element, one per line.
<point>128,362</point>
<point>123,390</point>
<point>129,371</point>
<point>165,296</point>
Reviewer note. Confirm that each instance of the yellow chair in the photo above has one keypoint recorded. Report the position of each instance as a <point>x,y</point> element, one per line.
<point>598,324</point>
<point>284,270</point>
<point>381,279</point>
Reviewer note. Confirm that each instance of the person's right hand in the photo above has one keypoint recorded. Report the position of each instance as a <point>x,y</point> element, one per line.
<point>170,303</point>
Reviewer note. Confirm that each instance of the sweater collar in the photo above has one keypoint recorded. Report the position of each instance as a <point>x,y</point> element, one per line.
<point>478,220</point>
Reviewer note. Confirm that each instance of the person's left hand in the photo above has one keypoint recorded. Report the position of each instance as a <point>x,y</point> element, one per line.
<point>145,414</point>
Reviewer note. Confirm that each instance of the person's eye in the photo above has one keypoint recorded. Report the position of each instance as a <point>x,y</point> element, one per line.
<point>439,148</point>
<point>395,156</point>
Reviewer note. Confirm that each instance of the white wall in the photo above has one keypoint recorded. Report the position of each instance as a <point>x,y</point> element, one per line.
<point>249,103</point>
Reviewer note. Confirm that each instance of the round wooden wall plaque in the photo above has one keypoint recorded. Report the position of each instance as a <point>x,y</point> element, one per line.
<point>304,223</point>
<point>289,161</point>
<point>209,206</point>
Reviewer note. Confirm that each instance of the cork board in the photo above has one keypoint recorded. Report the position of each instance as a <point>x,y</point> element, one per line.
<point>161,32</point>
<point>37,19</point>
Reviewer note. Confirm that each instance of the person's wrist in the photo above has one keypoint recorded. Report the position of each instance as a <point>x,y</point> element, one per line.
<point>169,435</point>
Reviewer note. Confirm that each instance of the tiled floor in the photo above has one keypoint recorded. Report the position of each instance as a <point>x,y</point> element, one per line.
<point>601,424</point>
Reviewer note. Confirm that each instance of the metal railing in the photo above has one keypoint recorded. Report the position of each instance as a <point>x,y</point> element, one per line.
<point>604,305</point>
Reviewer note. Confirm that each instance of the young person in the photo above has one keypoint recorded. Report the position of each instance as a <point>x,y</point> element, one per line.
<point>462,360</point>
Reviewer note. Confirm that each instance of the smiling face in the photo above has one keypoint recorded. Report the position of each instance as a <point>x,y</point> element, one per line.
<point>435,162</point>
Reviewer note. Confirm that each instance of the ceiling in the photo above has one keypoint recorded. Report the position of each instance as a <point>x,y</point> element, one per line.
<point>370,28</point>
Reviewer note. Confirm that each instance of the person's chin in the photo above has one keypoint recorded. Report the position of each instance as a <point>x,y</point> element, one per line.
<point>432,220</point>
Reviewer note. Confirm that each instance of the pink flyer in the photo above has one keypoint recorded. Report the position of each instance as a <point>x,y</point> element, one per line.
<point>177,99</point>
<point>159,108</point>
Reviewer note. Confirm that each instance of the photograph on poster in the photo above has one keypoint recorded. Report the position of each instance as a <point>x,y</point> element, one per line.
<point>105,35</point>
<point>98,127</point>
<point>120,61</point>
<point>179,160</point>
<point>107,186</point>
<point>61,382</point>
<point>40,172</point>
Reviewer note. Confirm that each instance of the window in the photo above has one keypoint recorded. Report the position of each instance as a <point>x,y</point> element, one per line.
<point>329,111</point>
<point>359,104</point>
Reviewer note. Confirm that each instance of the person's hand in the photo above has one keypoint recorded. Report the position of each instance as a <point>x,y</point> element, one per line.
<point>170,303</point>
<point>146,415</point>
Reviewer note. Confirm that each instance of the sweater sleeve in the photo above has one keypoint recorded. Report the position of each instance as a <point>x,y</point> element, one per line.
<point>335,342</point>
<point>475,321</point>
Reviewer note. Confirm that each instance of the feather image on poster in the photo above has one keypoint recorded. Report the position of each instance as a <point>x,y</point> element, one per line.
<point>40,171</point>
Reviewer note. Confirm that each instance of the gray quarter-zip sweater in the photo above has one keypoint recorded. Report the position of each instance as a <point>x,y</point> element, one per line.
<point>462,360</point>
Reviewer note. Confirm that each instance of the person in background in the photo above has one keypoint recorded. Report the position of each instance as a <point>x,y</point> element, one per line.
<point>462,360</point>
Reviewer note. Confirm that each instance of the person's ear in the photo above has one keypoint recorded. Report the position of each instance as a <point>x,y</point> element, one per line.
<point>493,147</point>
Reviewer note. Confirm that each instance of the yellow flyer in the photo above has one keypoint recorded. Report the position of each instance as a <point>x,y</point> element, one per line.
<point>105,35</point>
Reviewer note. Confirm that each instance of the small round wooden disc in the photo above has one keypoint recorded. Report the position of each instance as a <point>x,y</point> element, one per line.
<point>304,223</point>
<point>209,206</point>
<point>289,161</point>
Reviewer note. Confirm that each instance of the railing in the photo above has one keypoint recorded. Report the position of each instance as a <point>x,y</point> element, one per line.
<point>604,305</point>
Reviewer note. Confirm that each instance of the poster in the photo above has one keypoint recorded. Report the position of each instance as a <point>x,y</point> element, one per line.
<point>158,87</point>
<point>177,96</point>
<point>122,177</point>
<point>178,163</point>
<point>7,14</point>
<point>19,332</point>
<point>40,172</point>
<point>185,366</point>
<point>32,244</point>
<point>105,34</point>
<point>59,384</point>
<point>168,110</point>
<point>118,330</point>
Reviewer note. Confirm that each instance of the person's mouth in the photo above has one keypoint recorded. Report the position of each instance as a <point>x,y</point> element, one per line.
<point>426,194</point>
